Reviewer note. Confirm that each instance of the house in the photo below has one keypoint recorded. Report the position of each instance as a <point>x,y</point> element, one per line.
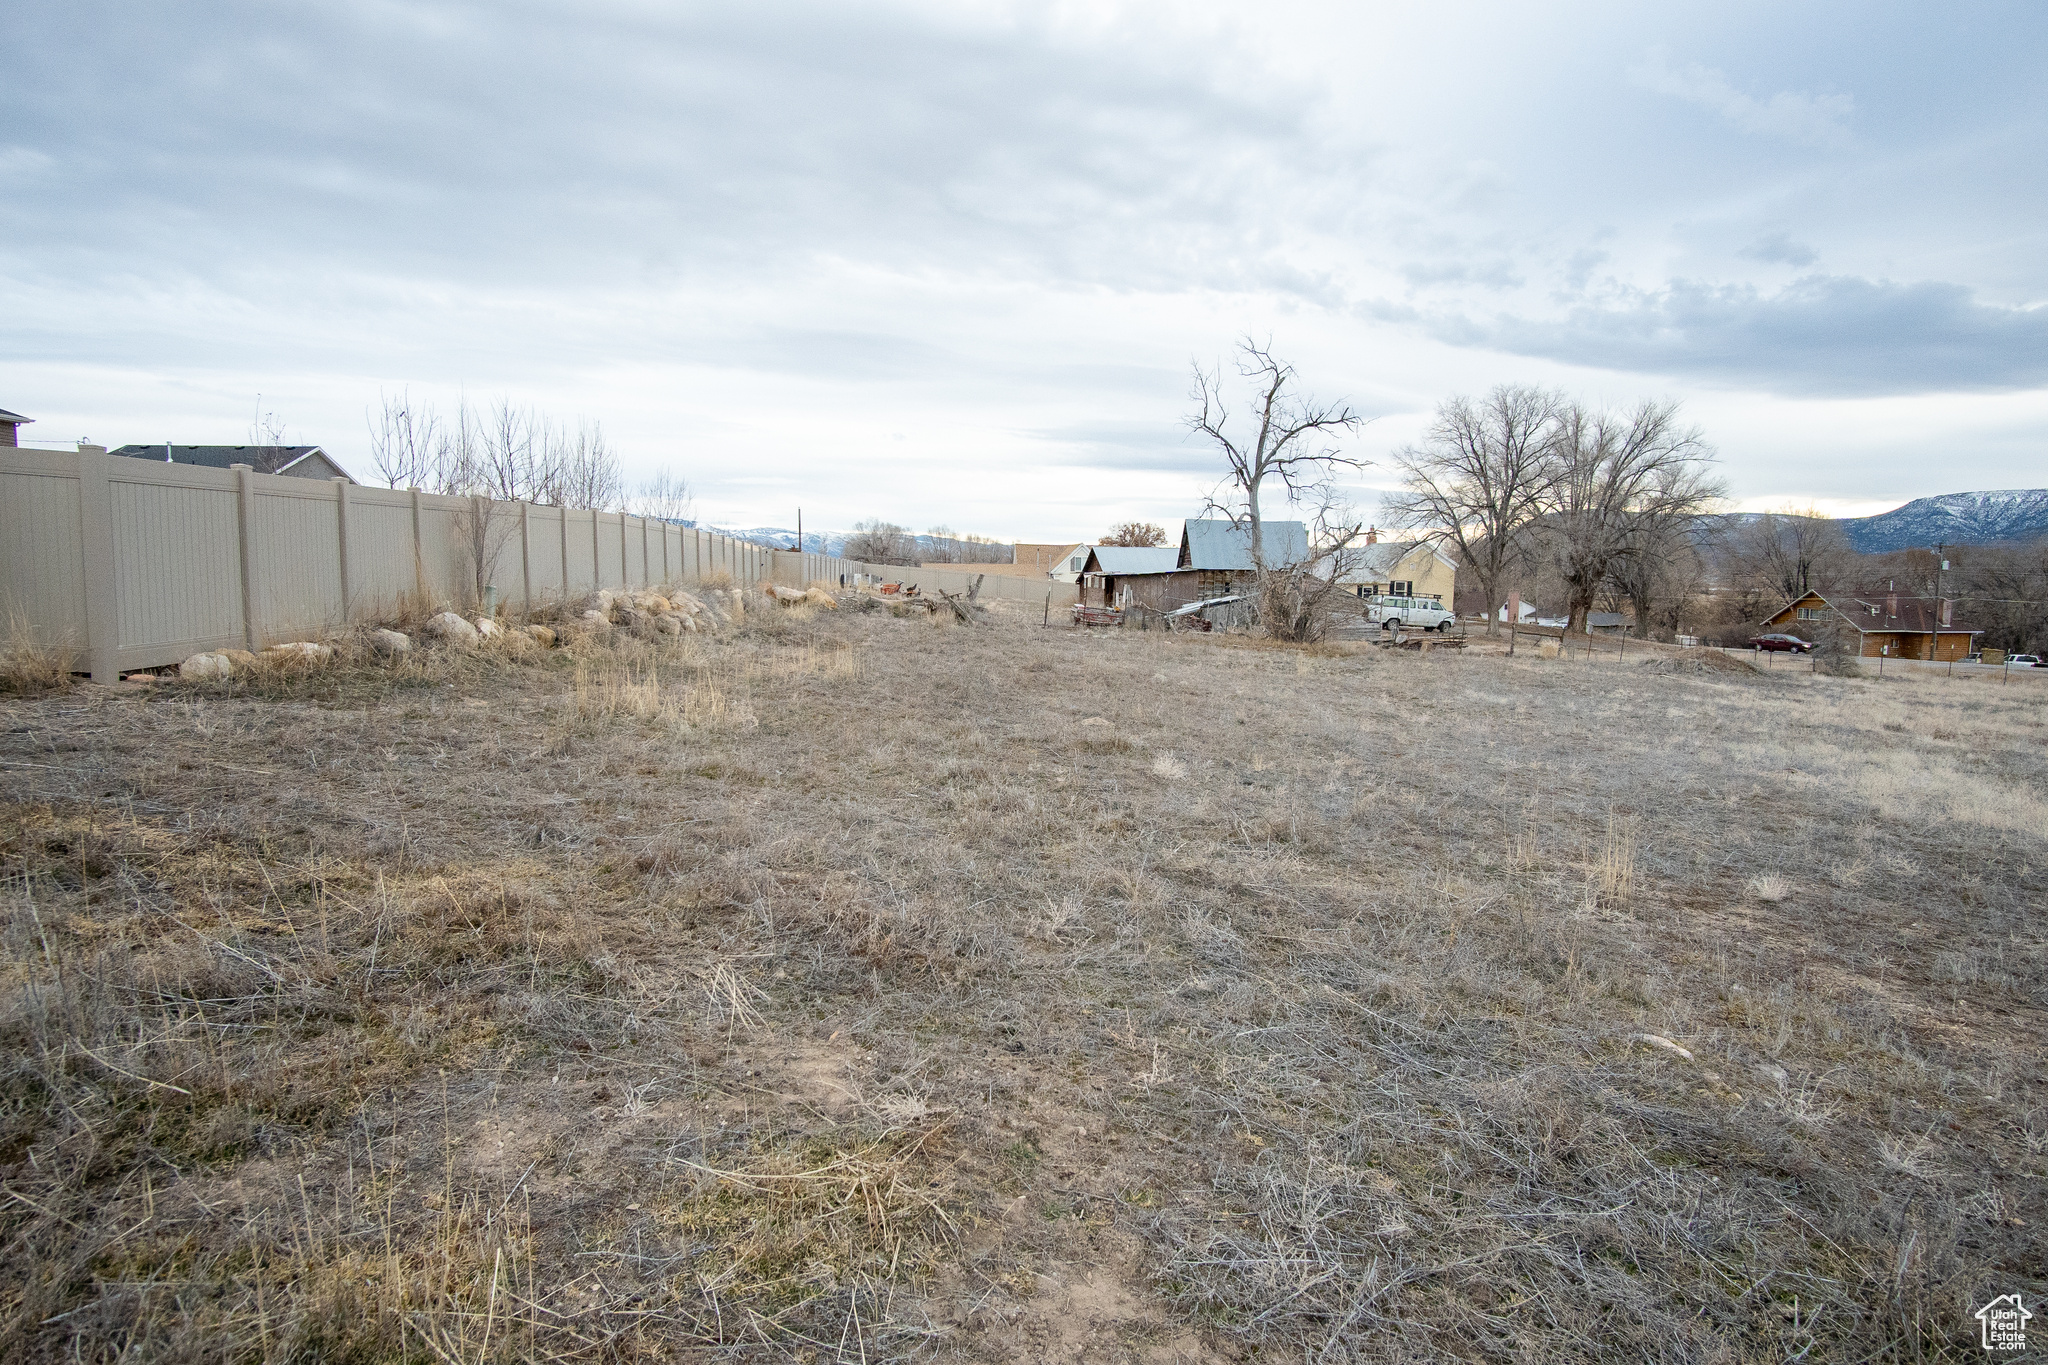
<point>1885,623</point>
<point>1402,568</point>
<point>1108,571</point>
<point>1526,616</point>
<point>9,421</point>
<point>298,462</point>
<point>1214,560</point>
<point>1059,562</point>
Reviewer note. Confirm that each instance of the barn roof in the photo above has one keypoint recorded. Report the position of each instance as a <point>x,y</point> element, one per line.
<point>1123,560</point>
<point>1215,543</point>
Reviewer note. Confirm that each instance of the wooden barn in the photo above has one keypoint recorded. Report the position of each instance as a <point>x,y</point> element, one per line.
<point>1214,560</point>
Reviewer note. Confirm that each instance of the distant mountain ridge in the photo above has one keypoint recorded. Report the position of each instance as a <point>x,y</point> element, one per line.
<point>1984,518</point>
<point>821,542</point>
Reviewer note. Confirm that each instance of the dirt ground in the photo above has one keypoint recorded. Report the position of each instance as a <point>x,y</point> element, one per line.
<point>846,987</point>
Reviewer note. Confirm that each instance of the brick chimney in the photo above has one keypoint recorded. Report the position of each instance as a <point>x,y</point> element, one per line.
<point>1891,604</point>
<point>1372,535</point>
<point>1948,612</point>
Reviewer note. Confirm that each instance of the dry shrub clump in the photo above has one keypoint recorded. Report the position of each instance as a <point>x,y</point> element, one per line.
<point>833,987</point>
<point>30,665</point>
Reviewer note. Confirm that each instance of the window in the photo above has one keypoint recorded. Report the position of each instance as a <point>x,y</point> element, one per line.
<point>1812,613</point>
<point>1404,589</point>
<point>1079,560</point>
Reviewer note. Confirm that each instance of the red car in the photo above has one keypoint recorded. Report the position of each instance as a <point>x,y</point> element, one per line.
<point>1778,644</point>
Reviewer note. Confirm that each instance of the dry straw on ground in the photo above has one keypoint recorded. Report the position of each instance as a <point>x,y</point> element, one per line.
<point>827,990</point>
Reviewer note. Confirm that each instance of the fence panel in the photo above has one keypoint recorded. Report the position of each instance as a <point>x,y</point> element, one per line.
<point>381,571</point>
<point>177,561</point>
<point>295,559</point>
<point>42,548</point>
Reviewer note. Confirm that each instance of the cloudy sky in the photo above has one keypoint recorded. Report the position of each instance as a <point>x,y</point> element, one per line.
<point>950,263</point>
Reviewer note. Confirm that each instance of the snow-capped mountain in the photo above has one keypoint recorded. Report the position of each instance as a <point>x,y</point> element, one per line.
<point>1953,519</point>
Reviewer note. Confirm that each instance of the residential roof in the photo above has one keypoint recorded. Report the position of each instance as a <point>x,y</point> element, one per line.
<point>1215,543</point>
<point>1123,560</point>
<point>1603,620</point>
<point>1378,561</point>
<point>1883,610</point>
<point>14,417</point>
<point>221,457</point>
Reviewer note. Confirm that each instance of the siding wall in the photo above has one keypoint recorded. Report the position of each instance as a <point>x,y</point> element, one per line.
<point>138,564</point>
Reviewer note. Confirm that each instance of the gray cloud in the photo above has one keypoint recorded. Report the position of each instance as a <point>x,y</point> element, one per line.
<point>1826,334</point>
<point>1151,446</point>
<point>1778,248</point>
<point>594,144</point>
<point>1794,115</point>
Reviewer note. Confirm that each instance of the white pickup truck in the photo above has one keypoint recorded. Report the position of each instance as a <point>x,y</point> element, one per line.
<point>1422,613</point>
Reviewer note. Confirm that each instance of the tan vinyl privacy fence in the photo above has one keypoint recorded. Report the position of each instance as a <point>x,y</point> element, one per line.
<point>141,563</point>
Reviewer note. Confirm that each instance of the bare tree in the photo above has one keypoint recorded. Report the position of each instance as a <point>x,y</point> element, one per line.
<point>267,451</point>
<point>585,470</point>
<point>1289,439</point>
<point>664,497</point>
<point>1610,475</point>
<point>404,439</point>
<point>1786,554</point>
<point>1479,481</point>
<point>1138,533</point>
<point>875,541</point>
<point>1662,571</point>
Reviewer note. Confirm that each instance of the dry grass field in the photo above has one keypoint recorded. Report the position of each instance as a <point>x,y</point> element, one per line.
<point>853,988</point>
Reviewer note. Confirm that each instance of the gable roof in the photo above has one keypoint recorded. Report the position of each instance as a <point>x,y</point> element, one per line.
<point>1884,611</point>
<point>221,457</point>
<point>1215,543</point>
<point>1379,561</point>
<point>14,417</point>
<point>1122,560</point>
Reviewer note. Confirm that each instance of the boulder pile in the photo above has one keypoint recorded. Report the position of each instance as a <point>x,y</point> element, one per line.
<point>642,614</point>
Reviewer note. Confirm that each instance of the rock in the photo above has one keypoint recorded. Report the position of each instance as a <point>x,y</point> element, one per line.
<point>600,602</point>
<point>299,653</point>
<point>1661,1043</point>
<point>239,659</point>
<point>689,624</point>
<point>591,623</point>
<point>667,625</point>
<point>818,597</point>
<point>687,604</point>
<point>788,597</point>
<point>542,636</point>
<point>487,628</point>
<point>450,629</point>
<point>206,668</point>
<point>389,644</point>
<point>656,605</point>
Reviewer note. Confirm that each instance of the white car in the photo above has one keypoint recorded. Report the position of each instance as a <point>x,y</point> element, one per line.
<point>1422,613</point>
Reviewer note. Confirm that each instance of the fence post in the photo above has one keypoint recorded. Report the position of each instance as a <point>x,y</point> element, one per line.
<point>245,489</point>
<point>419,562</point>
<point>564,522</point>
<point>596,547</point>
<point>102,590</point>
<point>526,557</point>
<point>341,528</point>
